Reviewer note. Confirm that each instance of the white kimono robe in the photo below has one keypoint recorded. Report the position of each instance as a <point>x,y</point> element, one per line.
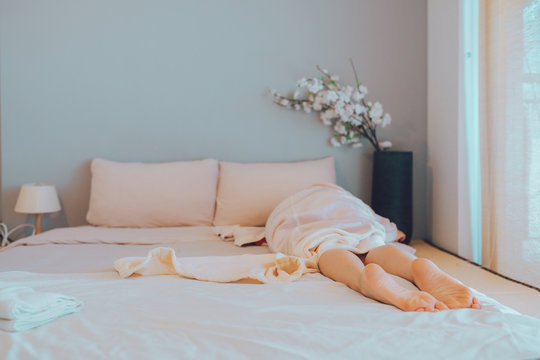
<point>325,217</point>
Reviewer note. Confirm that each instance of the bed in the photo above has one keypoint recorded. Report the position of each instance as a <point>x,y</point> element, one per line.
<point>170,316</point>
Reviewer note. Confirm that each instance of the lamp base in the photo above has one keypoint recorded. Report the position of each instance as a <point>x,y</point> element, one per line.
<point>38,223</point>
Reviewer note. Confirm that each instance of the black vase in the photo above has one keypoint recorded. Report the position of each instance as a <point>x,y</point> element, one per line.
<point>391,190</point>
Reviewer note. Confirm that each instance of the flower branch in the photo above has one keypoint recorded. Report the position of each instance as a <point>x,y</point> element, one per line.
<point>344,108</point>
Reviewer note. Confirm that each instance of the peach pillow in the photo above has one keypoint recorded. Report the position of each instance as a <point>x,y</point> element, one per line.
<point>248,192</point>
<point>152,195</point>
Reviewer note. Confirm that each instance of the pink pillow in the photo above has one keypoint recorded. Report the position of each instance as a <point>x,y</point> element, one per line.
<point>152,195</point>
<point>247,193</point>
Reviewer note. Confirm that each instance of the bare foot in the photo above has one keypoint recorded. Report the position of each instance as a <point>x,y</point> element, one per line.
<point>428,277</point>
<point>377,284</point>
<point>420,301</point>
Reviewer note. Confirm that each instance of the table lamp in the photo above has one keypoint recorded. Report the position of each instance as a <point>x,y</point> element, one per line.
<point>37,199</point>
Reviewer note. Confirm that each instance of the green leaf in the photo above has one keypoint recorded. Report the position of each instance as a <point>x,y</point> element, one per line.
<point>336,135</point>
<point>322,78</point>
<point>358,83</point>
<point>333,83</point>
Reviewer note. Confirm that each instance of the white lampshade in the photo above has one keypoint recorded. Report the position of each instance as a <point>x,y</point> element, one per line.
<point>37,199</point>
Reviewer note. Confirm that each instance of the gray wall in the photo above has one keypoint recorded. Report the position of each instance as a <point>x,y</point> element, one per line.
<point>165,80</point>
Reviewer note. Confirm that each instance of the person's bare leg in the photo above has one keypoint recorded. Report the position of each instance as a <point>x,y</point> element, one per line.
<point>393,260</point>
<point>372,281</point>
<point>424,274</point>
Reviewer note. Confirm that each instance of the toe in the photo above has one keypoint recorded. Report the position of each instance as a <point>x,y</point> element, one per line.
<point>475,303</point>
<point>441,306</point>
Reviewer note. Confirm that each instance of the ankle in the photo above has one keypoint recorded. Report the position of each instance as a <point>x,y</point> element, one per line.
<point>370,279</point>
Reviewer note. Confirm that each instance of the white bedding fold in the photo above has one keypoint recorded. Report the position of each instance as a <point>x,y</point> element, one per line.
<point>22,308</point>
<point>266,268</point>
<point>240,235</point>
<point>134,236</point>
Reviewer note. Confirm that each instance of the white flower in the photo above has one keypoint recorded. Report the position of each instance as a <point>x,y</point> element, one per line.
<point>376,121</point>
<point>357,145</point>
<point>340,128</point>
<point>326,122</point>
<point>296,106</point>
<point>334,142</point>
<point>331,96</point>
<point>315,88</point>
<point>321,97</point>
<point>355,122</point>
<point>357,96</point>
<point>317,106</point>
<point>334,78</point>
<point>327,116</point>
<point>274,92</point>
<point>376,110</point>
<point>301,83</point>
<point>343,140</point>
<point>307,106</point>
<point>315,85</point>
<point>363,90</point>
<point>342,97</point>
<point>385,144</point>
<point>340,108</point>
<point>348,90</point>
<point>284,102</point>
<point>349,110</point>
<point>359,109</point>
<point>386,120</point>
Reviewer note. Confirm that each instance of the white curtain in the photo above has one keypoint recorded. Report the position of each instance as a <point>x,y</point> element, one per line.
<point>510,137</point>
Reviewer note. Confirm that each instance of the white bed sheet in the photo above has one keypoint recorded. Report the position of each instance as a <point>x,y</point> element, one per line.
<point>92,249</point>
<point>166,317</point>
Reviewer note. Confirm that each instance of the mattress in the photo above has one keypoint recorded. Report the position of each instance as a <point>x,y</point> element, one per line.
<point>166,317</point>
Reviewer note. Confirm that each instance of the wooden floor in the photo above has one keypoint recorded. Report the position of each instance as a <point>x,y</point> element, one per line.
<point>521,298</point>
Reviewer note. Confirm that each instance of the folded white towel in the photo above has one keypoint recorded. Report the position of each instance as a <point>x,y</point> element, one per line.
<point>22,308</point>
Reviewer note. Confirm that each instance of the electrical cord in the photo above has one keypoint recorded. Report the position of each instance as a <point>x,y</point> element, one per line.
<point>4,233</point>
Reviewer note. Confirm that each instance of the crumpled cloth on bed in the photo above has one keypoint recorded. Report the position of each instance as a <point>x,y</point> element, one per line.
<point>323,217</point>
<point>240,235</point>
<point>266,268</point>
<point>22,308</point>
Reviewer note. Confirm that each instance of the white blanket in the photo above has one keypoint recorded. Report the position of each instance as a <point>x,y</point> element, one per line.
<point>265,268</point>
<point>171,317</point>
<point>167,317</point>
